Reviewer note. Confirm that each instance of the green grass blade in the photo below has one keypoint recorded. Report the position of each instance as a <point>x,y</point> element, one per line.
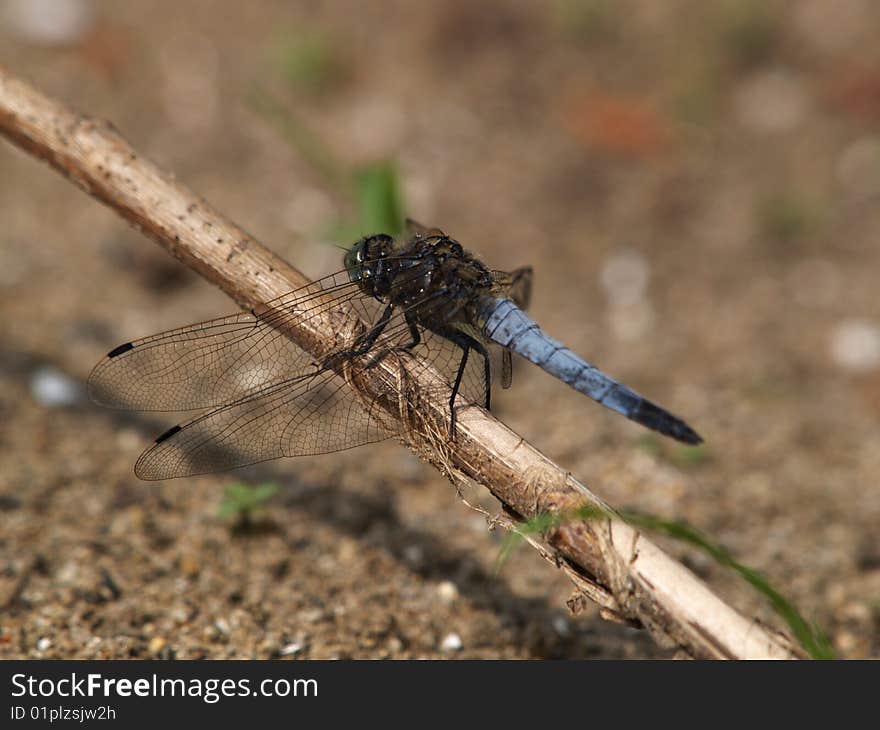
<point>810,637</point>
<point>380,208</point>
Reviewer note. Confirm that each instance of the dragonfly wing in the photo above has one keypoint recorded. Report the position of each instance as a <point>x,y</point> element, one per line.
<point>516,284</point>
<point>312,414</point>
<point>216,362</point>
<point>414,228</point>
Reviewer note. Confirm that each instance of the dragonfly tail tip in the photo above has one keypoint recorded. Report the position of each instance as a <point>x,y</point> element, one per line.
<point>689,436</point>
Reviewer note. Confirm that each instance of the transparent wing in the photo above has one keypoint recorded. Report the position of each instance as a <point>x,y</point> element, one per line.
<point>312,414</point>
<point>269,397</point>
<point>516,284</point>
<point>414,228</point>
<point>213,363</point>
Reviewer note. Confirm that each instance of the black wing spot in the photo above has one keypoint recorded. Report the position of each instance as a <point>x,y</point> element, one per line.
<point>119,350</point>
<point>168,434</point>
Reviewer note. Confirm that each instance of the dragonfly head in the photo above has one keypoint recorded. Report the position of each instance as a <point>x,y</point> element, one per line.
<point>366,260</point>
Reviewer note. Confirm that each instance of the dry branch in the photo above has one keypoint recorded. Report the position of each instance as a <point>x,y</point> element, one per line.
<point>630,578</point>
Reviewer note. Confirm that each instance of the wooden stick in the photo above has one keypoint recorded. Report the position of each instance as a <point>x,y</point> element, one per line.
<point>610,562</point>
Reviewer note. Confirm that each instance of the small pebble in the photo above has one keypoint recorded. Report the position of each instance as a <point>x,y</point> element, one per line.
<point>451,642</point>
<point>845,641</point>
<point>51,22</point>
<point>413,555</point>
<point>855,345</point>
<point>68,573</point>
<point>222,626</point>
<point>348,551</point>
<point>43,644</point>
<point>52,388</point>
<point>624,277</point>
<point>561,625</point>
<point>157,643</point>
<point>447,592</point>
<point>291,649</point>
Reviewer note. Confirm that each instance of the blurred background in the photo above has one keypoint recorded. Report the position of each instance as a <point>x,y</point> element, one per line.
<point>696,185</point>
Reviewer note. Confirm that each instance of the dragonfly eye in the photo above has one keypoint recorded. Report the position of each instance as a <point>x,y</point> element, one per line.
<point>354,257</point>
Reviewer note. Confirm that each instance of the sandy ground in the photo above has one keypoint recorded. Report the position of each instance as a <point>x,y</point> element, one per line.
<point>699,200</point>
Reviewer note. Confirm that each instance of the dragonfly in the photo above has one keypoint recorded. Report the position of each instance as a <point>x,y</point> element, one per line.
<point>263,396</point>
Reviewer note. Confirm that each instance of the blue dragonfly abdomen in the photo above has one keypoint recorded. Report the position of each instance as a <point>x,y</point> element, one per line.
<point>505,324</point>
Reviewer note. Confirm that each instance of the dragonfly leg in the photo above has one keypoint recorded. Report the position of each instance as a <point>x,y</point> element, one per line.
<point>363,342</point>
<point>455,387</point>
<point>466,343</point>
<point>367,340</point>
<point>414,332</point>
